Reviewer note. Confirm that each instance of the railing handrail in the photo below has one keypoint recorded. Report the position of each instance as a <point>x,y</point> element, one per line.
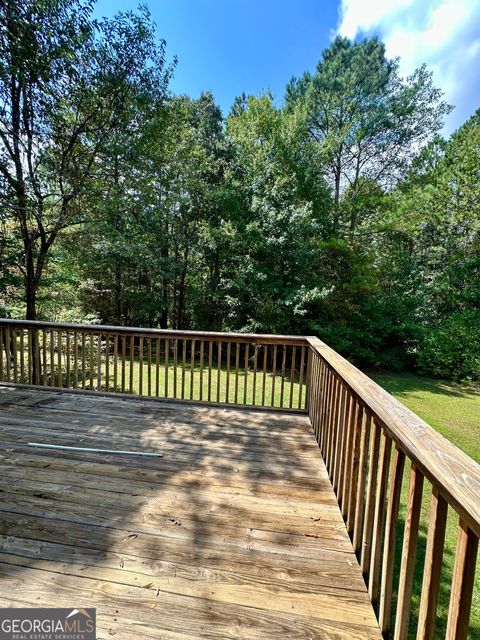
<point>267,338</point>
<point>453,472</point>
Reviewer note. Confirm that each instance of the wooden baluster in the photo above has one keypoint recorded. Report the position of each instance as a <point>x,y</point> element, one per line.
<point>157,368</point>
<point>8,358</point>
<point>342,462</point>
<point>370,501</point>
<point>75,360</point>
<point>36,346</point>
<point>202,356</point>
<point>274,372</point>
<point>107,361</point>
<point>282,384</point>
<point>149,365</point>
<point>52,357</point>
<point>167,357</point>
<point>300,381</point>
<point>388,561</point>
<point>59,359</point>
<point>316,390</point>
<point>14,355</point>
<point>67,357</point>
<point>292,376</point>
<point>327,417</point>
<point>84,381</point>
<point>124,363</point>
<point>409,552</point>
<point>192,368</point>
<point>184,358</point>
<point>462,583</point>
<point>132,358</point>
<point>264,373</point>
<point>22,354</point>
<point>31,367</point>
<point>175,366</point>
<point>219,368</point>
<point>362,476</point>
<point>210,365</point>
<point>331,424</point>
<point>255,363</point>
<point>308,376</point>
<point>115,362</point>
<point>323,402</point>
<point>2,343</point>
<point>227,382</point>
<point>99,362</point>
<point>379,518</point>
<point>340,428</point>
<point>237,369</point>
<point>140,366</point>
<point>92,355</point>
<point>245,388</point>
<point>319,374</point>
<point>348,453</point>
<point>354,467</point>
<point>433,566</point>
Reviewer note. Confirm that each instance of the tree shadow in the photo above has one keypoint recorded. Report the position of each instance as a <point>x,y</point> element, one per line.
<point>406,384</point>
<point>137,537</point>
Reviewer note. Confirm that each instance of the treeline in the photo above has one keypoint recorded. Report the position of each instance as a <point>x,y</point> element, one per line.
<point>340,213</point>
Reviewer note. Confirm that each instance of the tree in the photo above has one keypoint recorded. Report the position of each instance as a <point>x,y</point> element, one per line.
<point>65,85</point>
<point>438,208</point>
<point>285,211</point>
<point>366,119</point>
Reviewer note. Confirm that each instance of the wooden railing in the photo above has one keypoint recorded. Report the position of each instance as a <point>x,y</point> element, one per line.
<point>367,438</point>
<point>236,368</point>
<point>380,456</point>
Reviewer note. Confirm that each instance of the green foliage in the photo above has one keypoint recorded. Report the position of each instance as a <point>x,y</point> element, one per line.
<point>340,213</point>
<point>452,349</point>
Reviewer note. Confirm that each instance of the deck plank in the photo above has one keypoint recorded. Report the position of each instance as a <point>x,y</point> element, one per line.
<point>234,533</point>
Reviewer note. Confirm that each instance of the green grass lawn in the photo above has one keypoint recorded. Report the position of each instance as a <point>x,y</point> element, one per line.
<point>454,410</point>
<point>184,383</point>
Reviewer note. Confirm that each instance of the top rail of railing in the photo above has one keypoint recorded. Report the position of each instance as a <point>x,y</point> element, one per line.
<point>260,338</point>
<point>455,474</point>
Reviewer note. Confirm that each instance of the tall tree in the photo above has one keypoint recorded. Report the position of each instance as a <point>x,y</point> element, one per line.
<point>438,208</point>
<point>367,120</point>
<point>65,82</point>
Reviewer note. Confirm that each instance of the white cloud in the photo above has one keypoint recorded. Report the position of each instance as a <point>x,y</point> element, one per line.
<point>444,34</point>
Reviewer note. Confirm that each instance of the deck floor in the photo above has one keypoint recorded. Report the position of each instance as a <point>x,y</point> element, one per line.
<point>234,533</point>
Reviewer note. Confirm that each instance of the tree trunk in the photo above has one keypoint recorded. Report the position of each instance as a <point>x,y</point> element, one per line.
<point>30,286</point>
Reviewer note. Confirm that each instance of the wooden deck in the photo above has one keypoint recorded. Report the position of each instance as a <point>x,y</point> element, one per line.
<point>234,533</point>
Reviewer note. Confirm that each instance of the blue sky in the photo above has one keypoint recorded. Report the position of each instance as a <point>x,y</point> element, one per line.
<point>230,46</point>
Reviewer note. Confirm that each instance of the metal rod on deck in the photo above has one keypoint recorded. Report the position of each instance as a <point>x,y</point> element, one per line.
<point>90,450</point>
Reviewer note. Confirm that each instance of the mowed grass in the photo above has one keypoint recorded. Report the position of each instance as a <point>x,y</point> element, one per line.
<point>454,410</point>
<point>192,383</point>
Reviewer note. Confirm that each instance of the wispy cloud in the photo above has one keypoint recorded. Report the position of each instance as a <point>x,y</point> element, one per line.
<point>444,34</point>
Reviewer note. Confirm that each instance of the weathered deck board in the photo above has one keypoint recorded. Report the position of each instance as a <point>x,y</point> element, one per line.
<point>234,533</point>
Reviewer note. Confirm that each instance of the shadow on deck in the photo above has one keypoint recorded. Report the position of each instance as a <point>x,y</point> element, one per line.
<point>234,533</point>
